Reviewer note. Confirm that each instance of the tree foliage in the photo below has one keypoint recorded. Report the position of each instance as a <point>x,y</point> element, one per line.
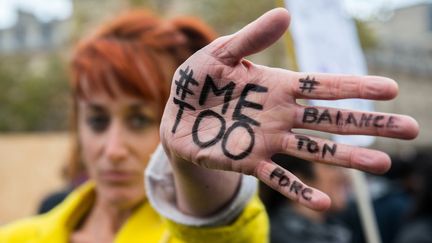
<point>33,100</point>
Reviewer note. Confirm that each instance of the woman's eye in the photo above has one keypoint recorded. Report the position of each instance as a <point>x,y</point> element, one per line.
<point>98,123</point>
<point>138,121</point>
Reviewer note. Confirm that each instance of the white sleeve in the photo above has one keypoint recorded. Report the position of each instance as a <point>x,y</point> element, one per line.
<point>159,184</point>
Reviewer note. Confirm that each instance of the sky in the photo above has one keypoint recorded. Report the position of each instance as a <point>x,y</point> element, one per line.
<point>366,8</point>
<point>47,10</point>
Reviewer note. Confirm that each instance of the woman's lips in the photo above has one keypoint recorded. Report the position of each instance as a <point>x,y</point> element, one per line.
<point>117,176</point>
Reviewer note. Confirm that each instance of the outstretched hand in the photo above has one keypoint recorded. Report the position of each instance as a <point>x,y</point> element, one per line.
<point>227,113</point>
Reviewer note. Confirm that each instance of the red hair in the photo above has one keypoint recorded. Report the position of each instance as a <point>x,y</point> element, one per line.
<point>140,53</point>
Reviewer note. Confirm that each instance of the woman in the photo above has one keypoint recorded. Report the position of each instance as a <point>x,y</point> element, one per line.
<point>223,112</point>
<point>120,84</point>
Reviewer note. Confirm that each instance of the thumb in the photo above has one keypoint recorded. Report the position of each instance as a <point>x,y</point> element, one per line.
<point>253,38</point>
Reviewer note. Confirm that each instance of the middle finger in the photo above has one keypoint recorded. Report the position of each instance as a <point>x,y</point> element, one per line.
<point>342,121</point>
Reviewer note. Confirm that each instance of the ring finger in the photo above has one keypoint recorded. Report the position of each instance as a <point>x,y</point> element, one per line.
<point>325,151</point>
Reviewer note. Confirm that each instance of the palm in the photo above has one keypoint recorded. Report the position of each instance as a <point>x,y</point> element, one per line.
<point>233,116</point>
<point>227,113</point>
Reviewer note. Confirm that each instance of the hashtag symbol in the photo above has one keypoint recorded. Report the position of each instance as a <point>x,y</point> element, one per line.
<point>183,83</point>
<point>308,84</point>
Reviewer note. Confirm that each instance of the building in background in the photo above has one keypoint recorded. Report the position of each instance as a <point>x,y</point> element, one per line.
<point>29,35</point>
<point>407,26</point>
<point>404,53</point>
<point>405,41</point>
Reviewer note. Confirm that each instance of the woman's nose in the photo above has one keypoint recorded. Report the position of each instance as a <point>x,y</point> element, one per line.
<point>115,146</point>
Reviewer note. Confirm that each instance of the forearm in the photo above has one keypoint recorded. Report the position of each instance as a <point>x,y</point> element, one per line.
<point>201,191</point>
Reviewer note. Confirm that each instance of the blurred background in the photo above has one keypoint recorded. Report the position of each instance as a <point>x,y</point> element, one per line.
<point>37,39</point>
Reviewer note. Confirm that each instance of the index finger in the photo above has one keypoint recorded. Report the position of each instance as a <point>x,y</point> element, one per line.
<point>340,86</point>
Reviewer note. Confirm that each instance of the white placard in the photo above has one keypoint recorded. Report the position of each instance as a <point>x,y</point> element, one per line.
<point>325,40</point>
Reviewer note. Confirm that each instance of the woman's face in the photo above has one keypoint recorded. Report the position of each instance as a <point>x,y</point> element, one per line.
<point>117,136</point>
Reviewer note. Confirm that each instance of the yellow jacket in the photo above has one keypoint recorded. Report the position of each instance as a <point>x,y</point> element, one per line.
<point>144,225</point>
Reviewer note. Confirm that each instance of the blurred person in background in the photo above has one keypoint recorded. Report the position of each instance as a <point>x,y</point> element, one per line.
<point>212,135</point>
<point>291,222</point>
<point>392,197</point>
<point>417,225</point>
